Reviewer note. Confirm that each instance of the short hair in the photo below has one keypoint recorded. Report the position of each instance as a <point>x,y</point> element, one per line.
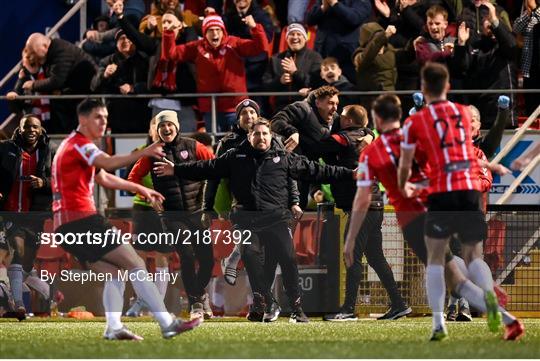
<point>329,60</point>
<point>203,138</point>
<point>434,78</point>
<point>436,10</point>
<point>259,121</point>
<point>88,105</point>
<point>357,113</point>
<point>387,107</point>
<point>325,91</point>
<point>28,116</point>
<point>176,14</point>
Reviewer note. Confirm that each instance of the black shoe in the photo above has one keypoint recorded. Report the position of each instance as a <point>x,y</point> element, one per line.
<point>464,315</point>
<point>342,316</point>
<point>451,315</point>
<point>395,313</point>
<point>271,312</point>
<point>256,310</point>
<point>298,316</point>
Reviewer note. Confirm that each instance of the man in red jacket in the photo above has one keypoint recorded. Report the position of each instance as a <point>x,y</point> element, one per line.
<point>219,61</point>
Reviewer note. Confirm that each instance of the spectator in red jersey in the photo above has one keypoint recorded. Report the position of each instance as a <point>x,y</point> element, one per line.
<point>25,163</point>
<point>293,69</point>
<point>73,176</point>
<point>183,201</point>
<point>219,61</point>
<point>443,130</point>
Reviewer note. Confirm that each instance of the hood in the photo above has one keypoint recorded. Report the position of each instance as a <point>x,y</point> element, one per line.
<point>367,31</point>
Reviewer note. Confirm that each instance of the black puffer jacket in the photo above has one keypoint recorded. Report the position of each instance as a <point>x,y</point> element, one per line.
<point>257,180</point>
<point>302,117</point>
<point>10,162</point>
<point>180,194</point>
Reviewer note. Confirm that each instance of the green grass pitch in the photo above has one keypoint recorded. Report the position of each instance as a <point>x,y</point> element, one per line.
<point>235,338</point>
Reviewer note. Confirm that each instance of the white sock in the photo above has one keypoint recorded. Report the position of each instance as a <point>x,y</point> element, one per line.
<point>234,258</point>
<point>435,289</point>
<point>475,296</point>
<point>149,293</point>
<point>461,265</point>
<point>113,302</point>
<point>480,274</point>
<point>161,280</point>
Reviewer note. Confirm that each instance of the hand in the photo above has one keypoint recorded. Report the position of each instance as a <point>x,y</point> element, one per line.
<point>531,5</point>
<point>463,34</point>
<point>500,169</point>
<point>416,41</point>
<point>297,212</point>
<point>28,85</point>
<point>209,10</point>
<point>150,195</point>
<point>332,2</point>
<point>383,8</point>
<point>285,78</point>
<point>520,163</point>
<point>492,10</point>
<point>292,142</point>
<point>126,89</point>
<point>348,253</point>
<point>110,70</point>
<point>405,3</point>
<point>164,168</point>
<point>157,206</point>
<point>324,5</point>
<point>151,22</point>
<point>304,91</point>
<point>503,102</point>
<point>155,150</point>
<point>289,66</point>
<point>411,190</point>
<point>36,182</point>
<point>11,95</point>
<point>92,35</point>
<point>318,196</point>
<point>171,26</point>
<point>1,196</point>
<point>118,8</point>
<point>448,47</point>
<point>390,30</point>
<point>249,21</point>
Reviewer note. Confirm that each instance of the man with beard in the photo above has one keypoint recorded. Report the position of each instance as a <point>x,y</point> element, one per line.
<point>182,205</point>
<point>258,171</point>
<point>25,197</point>
<point>305,123</point>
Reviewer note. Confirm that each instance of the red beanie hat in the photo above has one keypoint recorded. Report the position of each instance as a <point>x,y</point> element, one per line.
<point>213,20</point>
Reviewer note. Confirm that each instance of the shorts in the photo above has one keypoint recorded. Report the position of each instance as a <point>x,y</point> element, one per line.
<point>147,221</point>
<point>413,233</point>
<point>456,212</point>
<point>84,251</point>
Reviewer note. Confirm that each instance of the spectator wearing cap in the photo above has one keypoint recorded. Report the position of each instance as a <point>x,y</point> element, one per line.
<point>219,62</point>
<point>255,65</point>
<point>293,69</point>
<point>338,23</point>
<point>164,75</point>
<point>124,72</point>
<point>183,200</point>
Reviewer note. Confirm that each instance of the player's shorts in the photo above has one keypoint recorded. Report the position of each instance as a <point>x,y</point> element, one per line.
<point>87,251</point>
<point>146,221</point>
<point>413,233</point>
<point>456,212</point>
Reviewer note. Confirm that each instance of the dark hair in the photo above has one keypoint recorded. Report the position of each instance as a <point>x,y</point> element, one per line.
<point>259,121</point>
<point>28,116</point>
<point>203,138</point>
<point>434,78</point>
<point>387,107</point>
<point>357,113</point>
<point>329,60</point>
<point>88,105</point>
<point>325,91</point>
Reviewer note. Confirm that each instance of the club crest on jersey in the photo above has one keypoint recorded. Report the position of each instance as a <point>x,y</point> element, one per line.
<point>184,154</point>
<point>276,159</point>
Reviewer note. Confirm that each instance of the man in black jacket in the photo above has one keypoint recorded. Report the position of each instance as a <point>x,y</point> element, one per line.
<point>25,186</point>
<point>258,171</point>
<point>305,123</point>
<point>343,149</point>
<point>68,70</point>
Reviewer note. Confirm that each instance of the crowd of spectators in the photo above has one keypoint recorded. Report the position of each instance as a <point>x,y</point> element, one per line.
<point>236,46</point>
